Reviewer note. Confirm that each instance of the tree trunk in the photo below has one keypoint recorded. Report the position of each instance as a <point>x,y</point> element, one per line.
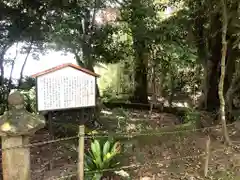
<point>212,98</point>
<point>78,59</point>
<point>140,94</point>
<point>209,45</point>
<point>200,34</point>
<point>209,54</point>
<point>171,83</point>
<point>2,71</point>
<point>12,68</point>
<point>24,64</point>
<point>232,78</point>
<point>212,69</point>
<point>153,86</point>
<point>141,53</point>
<point>2,54</point>
<point>88,28</point>
<point>222,77</point>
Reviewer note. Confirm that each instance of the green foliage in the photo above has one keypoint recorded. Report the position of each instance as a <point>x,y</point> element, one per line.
<point>4,91</point>
<point>27,89</point>
<point>115,82</point>
<point>101,157</point>
<point>30,99</point>
<point>75,30</point>
<point>22,21</point>
<point>192,116</point>
<point>171,41</point>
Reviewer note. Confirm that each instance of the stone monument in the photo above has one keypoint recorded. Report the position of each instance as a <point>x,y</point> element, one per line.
<point>16,127</point>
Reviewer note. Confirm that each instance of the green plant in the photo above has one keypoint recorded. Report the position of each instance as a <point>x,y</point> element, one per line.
<point>192,116</point>
<point>101,157</point>
<point>30,99</point>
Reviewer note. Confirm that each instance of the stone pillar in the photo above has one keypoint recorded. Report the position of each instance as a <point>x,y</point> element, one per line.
<point>16,127</point>
<point>15,161</point>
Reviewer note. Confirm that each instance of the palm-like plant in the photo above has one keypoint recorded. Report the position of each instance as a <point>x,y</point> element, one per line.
<point>101,158</point>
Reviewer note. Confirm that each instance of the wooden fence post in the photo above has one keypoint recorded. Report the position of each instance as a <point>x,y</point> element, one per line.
<point>207,156</point>
<point>81,152</point>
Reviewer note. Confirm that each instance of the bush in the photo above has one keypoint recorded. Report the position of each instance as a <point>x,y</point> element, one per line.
<point>192,116</point>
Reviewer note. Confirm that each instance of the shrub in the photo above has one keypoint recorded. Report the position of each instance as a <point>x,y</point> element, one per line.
<point>192,116</point>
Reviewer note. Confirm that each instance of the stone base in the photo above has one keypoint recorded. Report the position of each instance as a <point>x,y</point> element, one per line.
<point>15,161</point>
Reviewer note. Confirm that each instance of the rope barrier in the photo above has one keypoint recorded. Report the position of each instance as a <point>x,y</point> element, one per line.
<point>134,134</point>
<point>146,164</point>
<point>116,135</point>
<point>41,143</point>
<point>131,166</point>
<point>134,166</point>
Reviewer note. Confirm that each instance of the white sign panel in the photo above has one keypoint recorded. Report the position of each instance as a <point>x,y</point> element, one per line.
<point>64,89</point>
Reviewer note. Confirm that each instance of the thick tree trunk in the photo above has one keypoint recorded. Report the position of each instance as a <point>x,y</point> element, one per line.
<point>212,103</point>
<point>212,99</point>
<point>232,78</point>
<point>88,28</point>
<point>140,94</point>
<point>200,34</point>
<point>213,66</point>
<point>141,53</point>
<point>91,68</point>
<point>209,45</point>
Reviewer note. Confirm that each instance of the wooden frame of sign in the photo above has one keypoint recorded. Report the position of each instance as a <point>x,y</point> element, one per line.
<point>65,88</point>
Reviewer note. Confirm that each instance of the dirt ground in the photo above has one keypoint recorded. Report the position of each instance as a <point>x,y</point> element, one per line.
<point>169,156</point>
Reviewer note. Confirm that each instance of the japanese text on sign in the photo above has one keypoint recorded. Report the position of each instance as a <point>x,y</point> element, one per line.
<point>64,92</point>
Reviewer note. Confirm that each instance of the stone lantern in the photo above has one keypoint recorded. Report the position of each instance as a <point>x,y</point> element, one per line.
<point>16,127</point>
